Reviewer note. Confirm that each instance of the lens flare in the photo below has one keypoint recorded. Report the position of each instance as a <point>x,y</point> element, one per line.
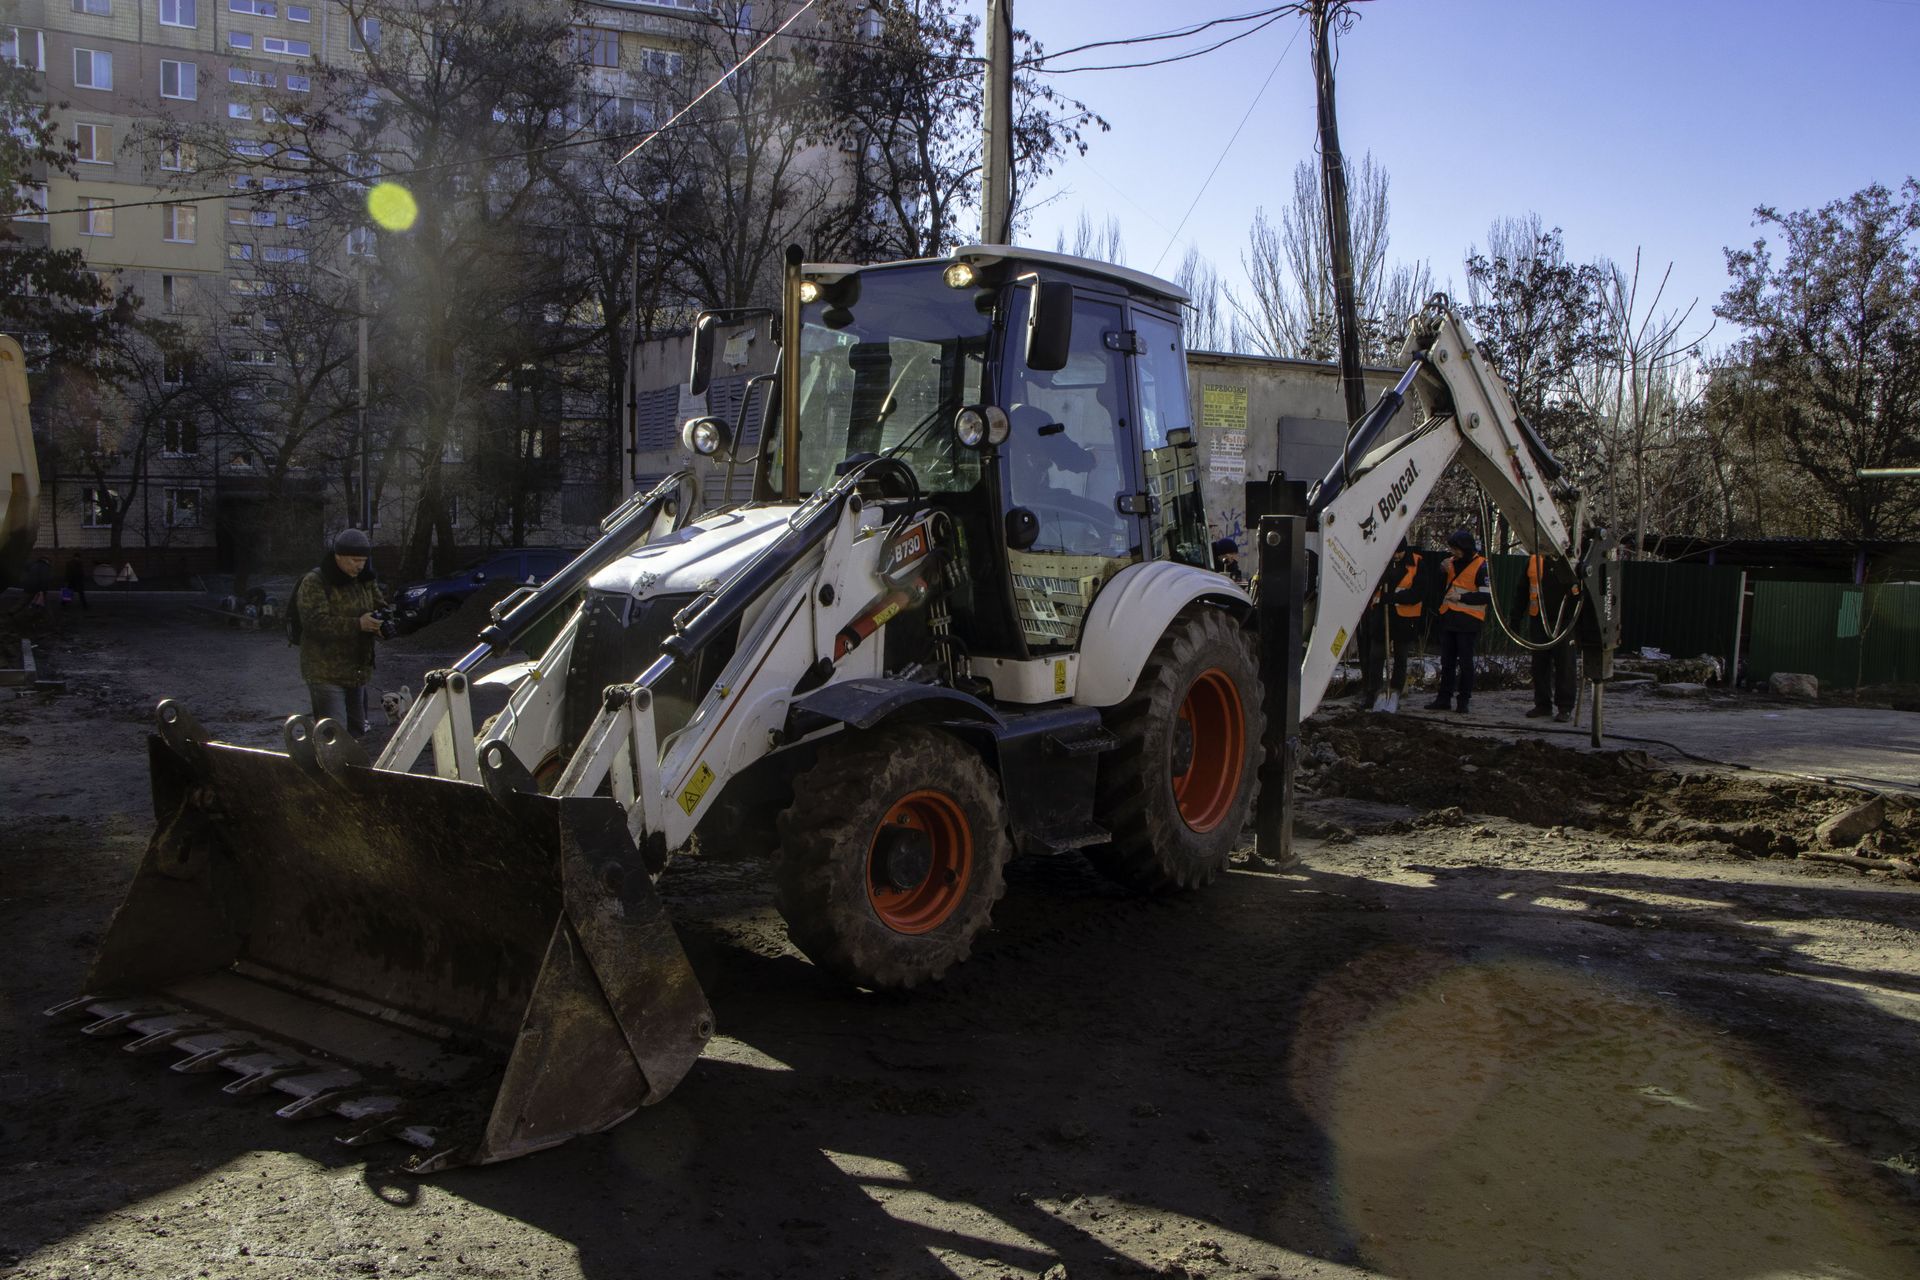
<point>392,207</point>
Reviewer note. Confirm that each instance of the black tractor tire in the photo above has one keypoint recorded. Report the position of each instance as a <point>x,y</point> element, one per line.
<point>891,856</point>
<point>443,608</point>
<point>1197,703</point>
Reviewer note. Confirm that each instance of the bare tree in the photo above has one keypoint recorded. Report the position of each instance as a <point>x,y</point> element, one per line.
<point>1644,397</point>
<point>1207,320</point>
<point>1289,271</point>
<point>1103,244</point>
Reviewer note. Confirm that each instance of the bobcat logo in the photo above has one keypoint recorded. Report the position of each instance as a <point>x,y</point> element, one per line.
<point>1368,525</point>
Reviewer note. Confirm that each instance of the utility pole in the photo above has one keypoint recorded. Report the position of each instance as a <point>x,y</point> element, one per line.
<point>1333,191</point>
<point>996,153</point>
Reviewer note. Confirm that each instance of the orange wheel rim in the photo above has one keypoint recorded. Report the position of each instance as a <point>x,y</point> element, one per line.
<point>919,862</point>
<point>1206,789</point>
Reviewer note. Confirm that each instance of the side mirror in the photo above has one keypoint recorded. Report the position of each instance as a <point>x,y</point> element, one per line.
<point>1049,325</point>
<point>706,330</point>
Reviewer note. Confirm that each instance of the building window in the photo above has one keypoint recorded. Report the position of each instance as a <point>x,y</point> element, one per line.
<point>96,216</point>
<point>240,39</point>
<point>360,242</point>
<point>173,371</point>
<point>176,293</point>
<point>179,13</point>
<point>363,35</point>
<point>258,79</point>
<point>92,69</point>
<point>659,62</point>
<point>239,111</point>
<point>258,8</point>
<point>98,8</point>
<point>33,205</point>
<point>180,438</point>
<point>597,46</point>
<point>284,253</point>
<point>24,48</point>
<point>93,143</point>
<point>183,508</point>
<point>96,508</point>
<point>177,157</point>
<point>296,220</point>
<point>241,287</point>
<point>178,80</point>
<point>179,223</point>
<point>299,13</point>
<point>298,84</point>
<point>291,48</point>
<point>240,252</point>
<point>251,150</point>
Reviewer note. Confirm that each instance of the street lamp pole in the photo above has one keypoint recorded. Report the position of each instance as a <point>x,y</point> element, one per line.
<point>366,493</point>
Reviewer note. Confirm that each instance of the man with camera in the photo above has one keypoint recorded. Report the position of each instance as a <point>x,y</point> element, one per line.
<point>337,615</point>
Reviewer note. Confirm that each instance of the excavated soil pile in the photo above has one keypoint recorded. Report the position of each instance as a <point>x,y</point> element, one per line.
<point>1401,761</point>
<point>462,625</point>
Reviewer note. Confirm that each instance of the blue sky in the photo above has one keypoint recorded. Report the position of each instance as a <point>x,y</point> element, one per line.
<point>1629,123</point>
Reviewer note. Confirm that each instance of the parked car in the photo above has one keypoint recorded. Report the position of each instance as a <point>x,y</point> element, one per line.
<point>430,601</point>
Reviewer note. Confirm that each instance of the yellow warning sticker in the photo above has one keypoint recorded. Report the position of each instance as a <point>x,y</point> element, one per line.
<point>696,787</point>
<point>1339,643</point>
<point>1060,675</point>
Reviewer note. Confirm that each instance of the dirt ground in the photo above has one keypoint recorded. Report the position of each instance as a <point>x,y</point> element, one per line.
<point>1523,1011</point>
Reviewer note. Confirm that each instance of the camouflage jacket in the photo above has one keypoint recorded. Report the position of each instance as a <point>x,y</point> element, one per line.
<point>333,648</point>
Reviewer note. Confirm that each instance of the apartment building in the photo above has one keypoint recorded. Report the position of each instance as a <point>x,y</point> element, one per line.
<point>197,251</point>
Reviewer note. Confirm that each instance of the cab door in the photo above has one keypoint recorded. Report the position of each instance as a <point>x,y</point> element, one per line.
<point>1072,461</point>
<point>1169,458</point>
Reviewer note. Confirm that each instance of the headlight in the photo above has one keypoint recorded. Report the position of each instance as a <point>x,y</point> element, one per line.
<point>981,424</point>
<point>970,424</point>
<point>705,436</point>
<point>958,275</point>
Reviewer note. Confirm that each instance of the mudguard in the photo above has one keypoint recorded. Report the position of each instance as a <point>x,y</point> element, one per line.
<point>1130,615</point>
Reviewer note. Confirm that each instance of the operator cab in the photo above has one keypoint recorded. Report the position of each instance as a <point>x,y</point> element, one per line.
<point>1092,467</point>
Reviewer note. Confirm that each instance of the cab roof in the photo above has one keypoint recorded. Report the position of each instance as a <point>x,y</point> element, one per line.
<point>984,255</point>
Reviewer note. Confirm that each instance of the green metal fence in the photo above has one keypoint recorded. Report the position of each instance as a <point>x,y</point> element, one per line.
<point>1681,609</point>
<point>1846,636</point>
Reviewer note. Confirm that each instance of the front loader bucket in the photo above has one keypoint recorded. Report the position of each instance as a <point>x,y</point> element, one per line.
<point>480,977</point>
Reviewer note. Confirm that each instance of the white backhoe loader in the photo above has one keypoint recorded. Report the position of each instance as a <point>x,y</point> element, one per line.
<point>969,614</point>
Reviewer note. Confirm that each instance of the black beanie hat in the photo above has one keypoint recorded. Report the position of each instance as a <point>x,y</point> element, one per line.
<point>351,542</point>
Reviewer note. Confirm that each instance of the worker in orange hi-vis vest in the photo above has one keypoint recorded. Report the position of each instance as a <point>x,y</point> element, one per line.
<point>1463,610</point>
<point>1547,604</point>
<point>1397,611</point>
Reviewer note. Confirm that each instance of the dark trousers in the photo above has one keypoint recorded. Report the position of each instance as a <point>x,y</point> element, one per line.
<point>344,704</point>
<point>1406,634</point>
<point>1553,678</point>
<point>1456,665</point>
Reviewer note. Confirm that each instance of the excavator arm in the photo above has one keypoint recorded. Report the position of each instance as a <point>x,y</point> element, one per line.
<point>1367,502</point>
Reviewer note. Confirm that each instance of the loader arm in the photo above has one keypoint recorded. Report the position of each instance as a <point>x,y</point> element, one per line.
<point>1368,501</point>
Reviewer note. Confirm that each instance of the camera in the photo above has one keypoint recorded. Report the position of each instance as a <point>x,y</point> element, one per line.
<point>388,627</point>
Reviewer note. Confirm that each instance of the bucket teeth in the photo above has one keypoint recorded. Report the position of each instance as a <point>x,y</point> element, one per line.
<point>114,1023</point>
<point>259,1081</point>
<point>154,1041</point>
<point>326,1097</point>
<point>211,1059</point>
<point>381,1130</point>
<point>75,1005</point>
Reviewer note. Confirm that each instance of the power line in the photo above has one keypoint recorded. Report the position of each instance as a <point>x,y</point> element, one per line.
<point>1230,141</point>
<point>1178,57</point>
<point>1158,35</point>
<point>726,76</point>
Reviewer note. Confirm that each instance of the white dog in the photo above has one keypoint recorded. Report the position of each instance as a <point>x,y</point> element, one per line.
<point>395,704</point>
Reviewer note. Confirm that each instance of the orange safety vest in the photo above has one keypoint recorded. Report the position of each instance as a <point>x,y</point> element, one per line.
<point>1467,574</point>
<point>1406,580</point>
<point>1536,566</point>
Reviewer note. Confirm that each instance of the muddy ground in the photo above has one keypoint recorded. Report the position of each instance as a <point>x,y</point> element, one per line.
<point>1524,1011</point>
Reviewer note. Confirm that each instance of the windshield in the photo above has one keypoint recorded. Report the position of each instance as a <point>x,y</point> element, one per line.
<point>883,366</point>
